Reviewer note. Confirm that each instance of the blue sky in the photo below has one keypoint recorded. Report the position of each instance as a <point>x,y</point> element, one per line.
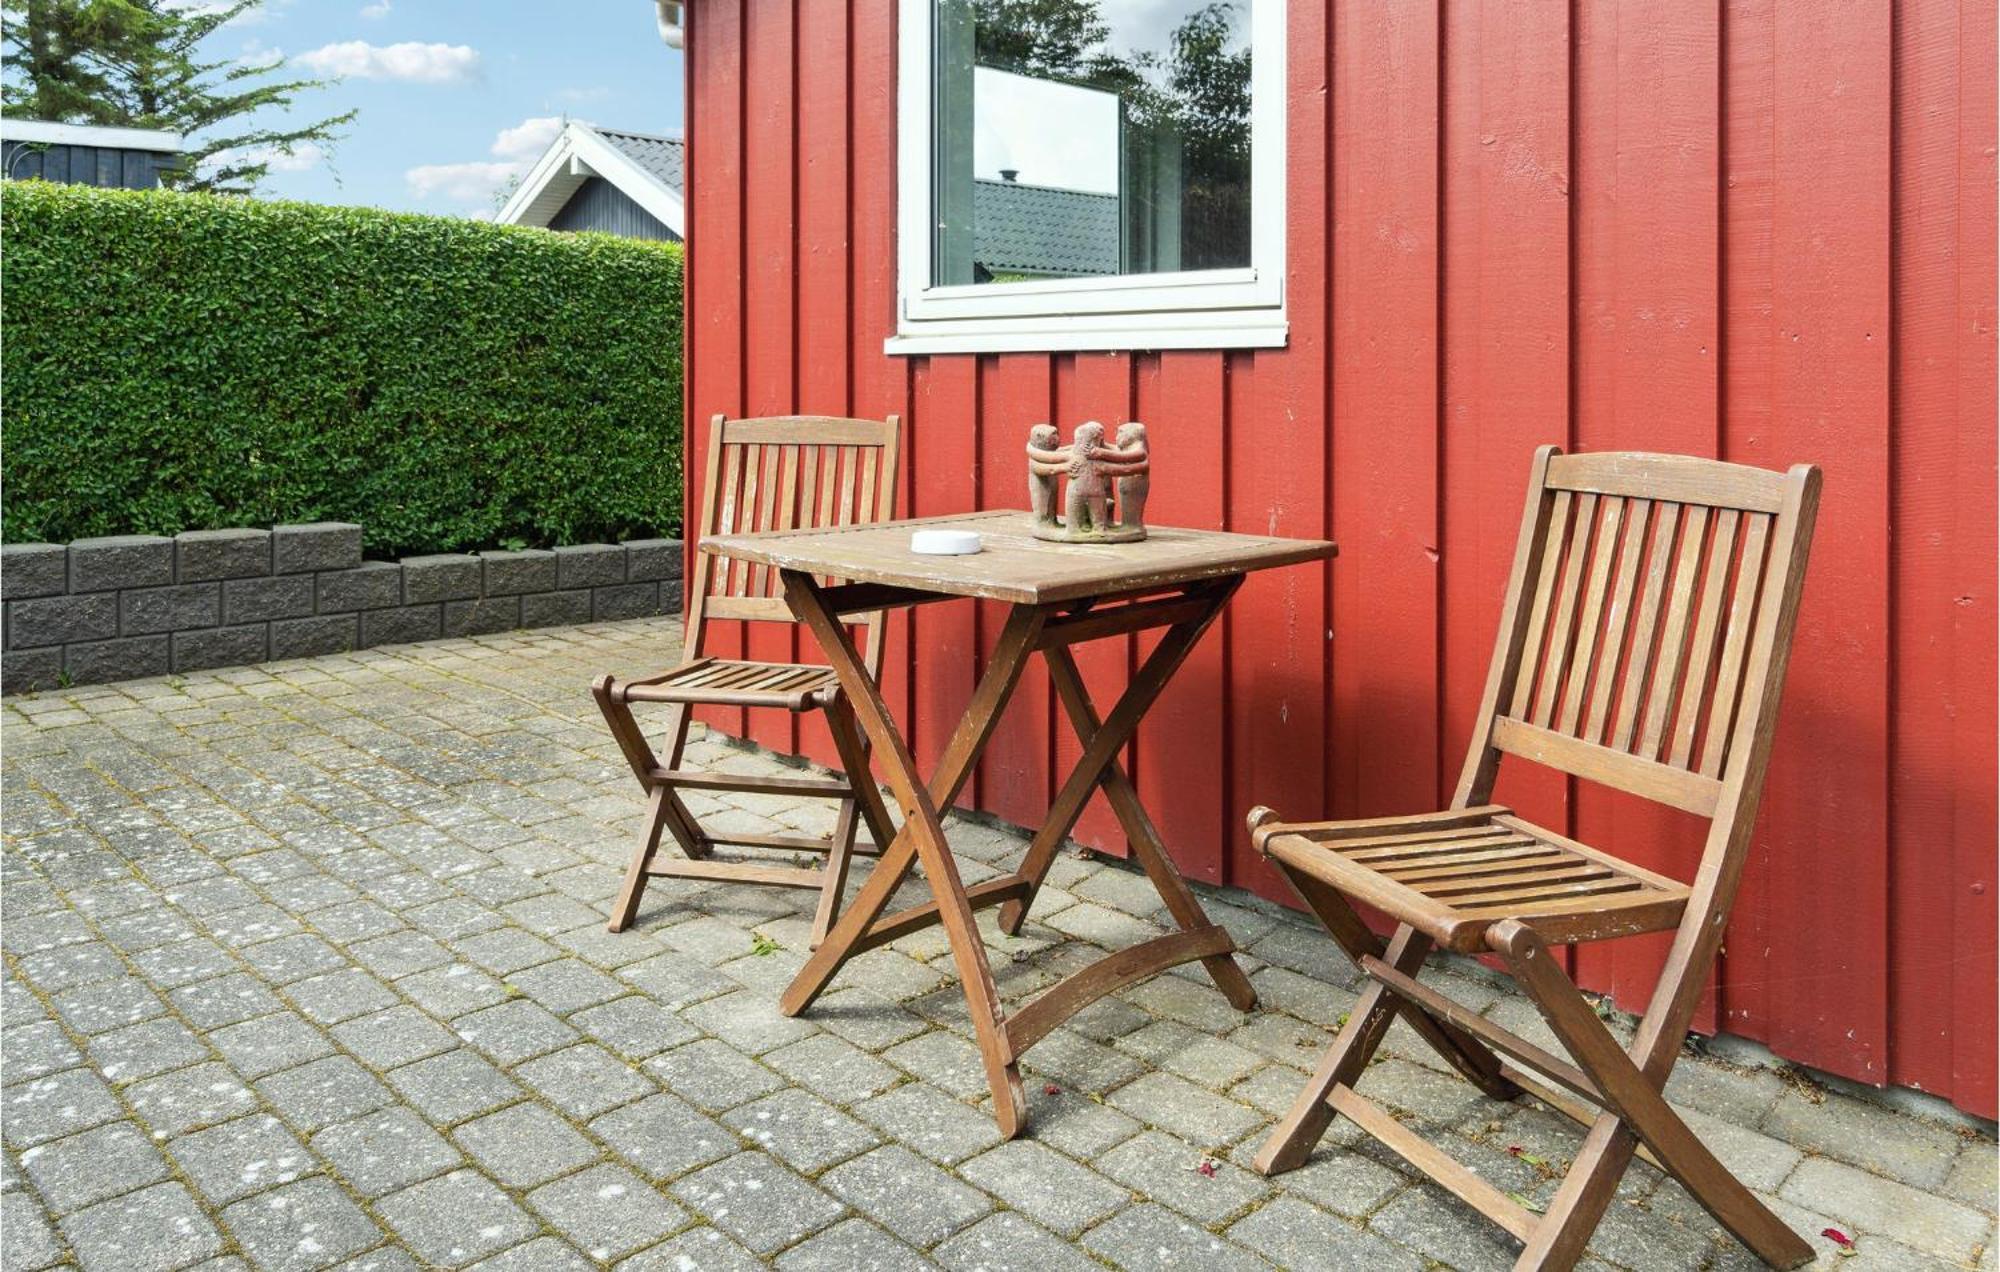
<point>456,94</point>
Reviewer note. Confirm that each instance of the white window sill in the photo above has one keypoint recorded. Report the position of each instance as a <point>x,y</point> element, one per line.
<point>1222,329</point>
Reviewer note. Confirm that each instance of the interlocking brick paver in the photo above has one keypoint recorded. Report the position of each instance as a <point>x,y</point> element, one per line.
<point>270,1043</point>
<point>27,1242</point>
<point>61,1104</point>
<point>1005,1242</point>
<point>1148,1236</point>
<point>513,1031</point>
<point>325,942</point>
<point>930,1121</point>
<point>301,1227</point>
<point>83,1169</point>
<point>242,1157</point>
<point>384,1151</point>
<point>454,1086</point>
<point>906,1194</point>
<point>607,1210</point>
<point>802,1129</point>
<point>664,1136</point>
<point>455,1219</point>
<point>324,1092</point>
<point>584,1080</point>
<point>158,1230</point>
<point>189,1098</point>
<point>525,1145</point>
<point>1046,1186</point>
<point>758,1201</point>
<point>855,1243</point>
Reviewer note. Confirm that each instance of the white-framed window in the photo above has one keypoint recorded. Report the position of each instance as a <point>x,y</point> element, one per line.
<point>1094,174</point>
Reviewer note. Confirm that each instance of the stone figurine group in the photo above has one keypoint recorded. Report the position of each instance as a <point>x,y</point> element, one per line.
<point>1093,469</point>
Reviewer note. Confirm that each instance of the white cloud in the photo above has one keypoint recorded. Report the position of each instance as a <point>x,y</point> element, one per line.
<point>410,62</point>
<point>514,151</point>
<point>527,139</point>
<point>304,157</point>
<point>379,9</point>
<point>461,182</point>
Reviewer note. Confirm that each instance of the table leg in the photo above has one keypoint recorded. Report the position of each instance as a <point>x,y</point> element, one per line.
<point>1102,744</point>
<point>922,836</point>
<point>1144,837</point>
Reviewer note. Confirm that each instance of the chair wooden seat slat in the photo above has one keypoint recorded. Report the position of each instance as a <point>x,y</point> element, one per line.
<point>1643,644</point>
<point>762,474</point>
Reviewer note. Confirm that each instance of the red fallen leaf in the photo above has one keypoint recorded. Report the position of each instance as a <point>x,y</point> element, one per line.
<point>1515,1149</point>
<point>1206,1170</point>
<point>1838,1237</point>
<point>1051,1089</point>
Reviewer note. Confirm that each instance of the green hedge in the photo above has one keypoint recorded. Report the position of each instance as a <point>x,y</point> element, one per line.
<point>186,361</point>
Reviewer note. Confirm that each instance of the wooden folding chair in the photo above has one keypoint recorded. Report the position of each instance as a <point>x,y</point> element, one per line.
<point>1643,645</point>
<point>762,474</point>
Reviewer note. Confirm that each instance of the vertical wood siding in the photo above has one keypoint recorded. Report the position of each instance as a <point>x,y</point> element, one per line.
<point>1742,228</point>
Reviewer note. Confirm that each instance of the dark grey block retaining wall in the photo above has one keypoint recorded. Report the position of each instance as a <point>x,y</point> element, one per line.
<point>143,605</point>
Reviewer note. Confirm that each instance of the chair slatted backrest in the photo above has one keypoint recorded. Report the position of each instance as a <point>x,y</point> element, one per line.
<point>790,472</point>
<point>1647,623</point>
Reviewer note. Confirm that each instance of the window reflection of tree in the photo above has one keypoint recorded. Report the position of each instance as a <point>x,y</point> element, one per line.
<point>1186,117</point>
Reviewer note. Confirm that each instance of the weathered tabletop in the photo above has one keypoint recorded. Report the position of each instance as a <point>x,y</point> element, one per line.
<point>1059,595</point>
<point>1013,565</point>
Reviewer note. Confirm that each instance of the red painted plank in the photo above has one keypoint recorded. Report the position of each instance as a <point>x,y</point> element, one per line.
<point>881,384</point>
<point>715,276</point>
<point>1176,768</point>
<point>823,247</point>
<point>1506,333</point>
<point>1278,442</point>
<point>945,451</point>
<point>1101,390</point>
<point>1016,390</point>
<point>1385,408</point>
<point>770,329</point>
<point>1807,986</point>
<point>1942,727</point>
<point>1646,356</point>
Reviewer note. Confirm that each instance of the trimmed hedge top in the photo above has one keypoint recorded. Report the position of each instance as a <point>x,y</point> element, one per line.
<point>185,361</point>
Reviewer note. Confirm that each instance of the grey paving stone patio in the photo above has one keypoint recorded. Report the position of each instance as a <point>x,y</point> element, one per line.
<point>305,968</point>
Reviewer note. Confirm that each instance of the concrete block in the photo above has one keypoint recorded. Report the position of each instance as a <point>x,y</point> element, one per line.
<point>402,624</point>
<point>33,569</point>
<point>651,560</point>
<point>57,620</point>
<point>482,617</point>
<point>589,565</point>
<point>549,609</point>
<point>120,560</point>
<point>318,545</point>
<point>31,669</point>
<point>200,555</point>
<point>310,637</point>
<point>370,585</point>
<point>143,610</point>
<point>626,600</point>
<point>514,573</point>
<point>443,577</point>
<point>220,647</point>
<point>260,600</point>
<point>97,662</point>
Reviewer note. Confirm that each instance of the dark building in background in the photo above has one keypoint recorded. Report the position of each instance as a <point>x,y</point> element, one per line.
<point>622,183</point>
<point>82,154</point>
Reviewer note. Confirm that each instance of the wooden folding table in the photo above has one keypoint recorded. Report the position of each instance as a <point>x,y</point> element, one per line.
<point>1059,594</point>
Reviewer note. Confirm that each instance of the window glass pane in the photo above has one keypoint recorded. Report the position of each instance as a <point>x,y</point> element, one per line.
<point>1084,138</point>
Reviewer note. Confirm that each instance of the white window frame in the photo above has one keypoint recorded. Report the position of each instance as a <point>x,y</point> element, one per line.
<point>1196,309</point>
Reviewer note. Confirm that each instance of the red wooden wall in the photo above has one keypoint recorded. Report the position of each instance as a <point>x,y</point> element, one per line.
<point>1749,229</point>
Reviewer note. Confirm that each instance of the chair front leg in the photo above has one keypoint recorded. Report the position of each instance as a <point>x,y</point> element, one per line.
<point>1295,1136</point>
<point>1638,1109</point>
<point>626,907</point>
